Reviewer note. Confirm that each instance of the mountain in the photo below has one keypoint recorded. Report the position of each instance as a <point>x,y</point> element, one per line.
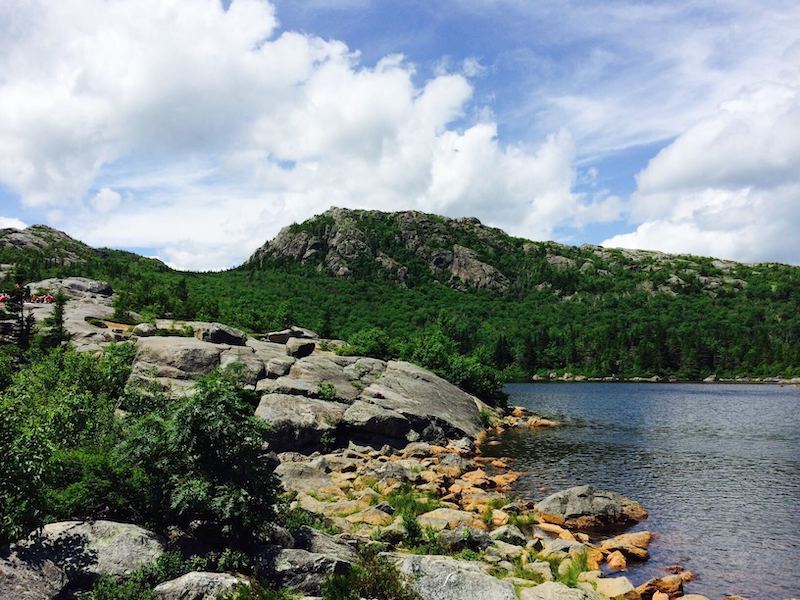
<point>442,291</point>
<point>41,251</point>
<point>42,241</point>
<point>413,248</point>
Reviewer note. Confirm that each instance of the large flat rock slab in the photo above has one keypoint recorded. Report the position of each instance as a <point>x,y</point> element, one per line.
<point>299,422</point>
<point>419,394</point>
<point>444,578</point>
<point>176,357</point>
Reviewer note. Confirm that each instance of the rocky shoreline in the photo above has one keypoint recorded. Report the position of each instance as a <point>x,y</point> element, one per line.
<point>466,536</point>
<point>572,378</point>
<point>372,454</point>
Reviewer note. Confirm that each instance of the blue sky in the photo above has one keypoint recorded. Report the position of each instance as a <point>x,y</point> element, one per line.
<point>194,130</point>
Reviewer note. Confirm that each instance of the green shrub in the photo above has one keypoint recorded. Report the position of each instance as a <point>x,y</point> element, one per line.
<point>207,465</point>
<point>374,342</point>
<point>256,592</point>
<point>327,391</point>
<point>576,566</point>
<point>372,577</point>
<point>407,501</point>
<point>57,412</point>
<point>139,584</point>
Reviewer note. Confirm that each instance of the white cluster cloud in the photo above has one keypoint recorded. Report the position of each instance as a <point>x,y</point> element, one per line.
<point>728,186</point>
<point>10,222</point>
<point>199,131</point>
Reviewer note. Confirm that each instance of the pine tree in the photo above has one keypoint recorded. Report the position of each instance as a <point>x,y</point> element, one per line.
<point>57,333</point>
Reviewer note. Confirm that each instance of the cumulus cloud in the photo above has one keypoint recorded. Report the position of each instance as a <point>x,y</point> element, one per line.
<point>11,223</point>
<point>207,129</point>
<point>105,200</point>
<point>728,186</point>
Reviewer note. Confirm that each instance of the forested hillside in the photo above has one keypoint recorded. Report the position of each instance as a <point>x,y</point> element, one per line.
<point>423,286</point>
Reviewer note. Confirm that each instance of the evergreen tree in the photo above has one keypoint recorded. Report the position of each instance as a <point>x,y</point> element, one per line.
<point>57,333</point>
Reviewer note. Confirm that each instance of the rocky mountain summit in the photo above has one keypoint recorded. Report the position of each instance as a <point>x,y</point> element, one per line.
<point>50,244</point>
<point>399,247</point>
<point>412,247</point>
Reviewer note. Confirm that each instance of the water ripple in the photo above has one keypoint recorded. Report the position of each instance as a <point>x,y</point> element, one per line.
<point>717,466</point>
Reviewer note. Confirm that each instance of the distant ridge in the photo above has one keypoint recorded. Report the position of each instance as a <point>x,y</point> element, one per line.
<point>411,248</point>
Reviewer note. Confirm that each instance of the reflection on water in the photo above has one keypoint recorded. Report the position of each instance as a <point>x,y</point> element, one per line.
<point>717,466</point>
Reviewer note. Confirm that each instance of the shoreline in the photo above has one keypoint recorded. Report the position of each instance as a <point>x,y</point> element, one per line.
<point>794,381</point>
<point>473,519</point>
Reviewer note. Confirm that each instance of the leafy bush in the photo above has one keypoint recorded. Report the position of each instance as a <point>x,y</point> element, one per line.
<point>139,584</point>
<point>206,464</point>
<point>437,351</point>
<point>25,452</point>
<point>372,577</point>
<point>57,411</point>
<point>374,342</point>
<point>327,391</point>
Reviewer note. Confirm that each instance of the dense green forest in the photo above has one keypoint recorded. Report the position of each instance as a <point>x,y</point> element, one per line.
<point>587,311</point>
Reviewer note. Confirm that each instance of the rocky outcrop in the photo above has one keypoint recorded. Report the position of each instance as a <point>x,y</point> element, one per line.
<point>22,578</point>
<point>175,361</point>
<point>54,246</point>
<point>71,554</point>
<point>305,571</point>
<point>552,590</point>
<point>80,288</point>
<point>342,242</point>
<point>78,313</point>
<point>444,578</point>
<point>217,333</point>
<point>198,585</point>
<point>283,336</point>
<point>298,422</point>
<point>584,508</point>
<point>467,271</point>
<point>367,400</point>
<point>300,348</point>
<point>97,547</point>
<point>421,396</point>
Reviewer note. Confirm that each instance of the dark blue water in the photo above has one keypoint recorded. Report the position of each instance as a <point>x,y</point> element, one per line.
<point>717,466</point>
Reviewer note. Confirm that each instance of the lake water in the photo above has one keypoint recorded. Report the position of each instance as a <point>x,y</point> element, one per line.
<point>717,467</point>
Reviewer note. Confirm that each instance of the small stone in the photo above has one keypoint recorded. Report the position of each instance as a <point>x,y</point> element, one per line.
<point>499,518</point>
<point>614,587</point>
<point>299,347</point>
<point>540,568</point>
<point>509,534</point>
<point>616,561</point>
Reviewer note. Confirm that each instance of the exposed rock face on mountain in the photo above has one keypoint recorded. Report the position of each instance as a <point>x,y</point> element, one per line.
<point>404,247</point>
<point>410,248</point>
<point>55,245</point>
<point>80,288</point>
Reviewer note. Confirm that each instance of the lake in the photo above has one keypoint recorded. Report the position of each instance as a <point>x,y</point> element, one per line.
<point>717,467</point>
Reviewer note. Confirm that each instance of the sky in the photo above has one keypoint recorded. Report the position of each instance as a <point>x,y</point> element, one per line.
<point>194,130</point>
